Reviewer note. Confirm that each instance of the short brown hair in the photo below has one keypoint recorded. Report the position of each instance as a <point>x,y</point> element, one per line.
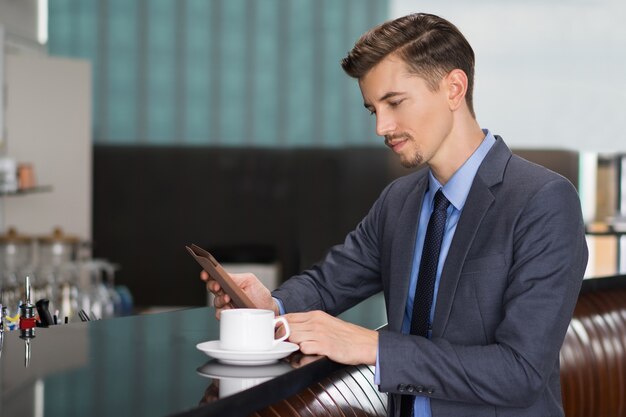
<point>430,45</point>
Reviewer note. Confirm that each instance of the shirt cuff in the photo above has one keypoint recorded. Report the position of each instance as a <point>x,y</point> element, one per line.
<point>281,308</point>
<point>376,371</point>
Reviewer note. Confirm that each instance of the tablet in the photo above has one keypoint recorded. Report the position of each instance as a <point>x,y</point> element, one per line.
<point>238,298</point>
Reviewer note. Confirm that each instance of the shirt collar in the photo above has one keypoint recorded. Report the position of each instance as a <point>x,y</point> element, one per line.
<point>457,188</point>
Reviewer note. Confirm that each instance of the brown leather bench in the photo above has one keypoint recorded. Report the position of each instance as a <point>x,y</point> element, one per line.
<point>593,356</point>
<point>347,392</point>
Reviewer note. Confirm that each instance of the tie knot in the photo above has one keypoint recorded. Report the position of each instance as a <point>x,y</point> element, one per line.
<point>441,202</point>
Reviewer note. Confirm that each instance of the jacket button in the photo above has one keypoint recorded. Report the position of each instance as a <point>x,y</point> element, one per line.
<point>420,389</point>
<point>410,388</point>
<point>431,391</point>
<point>401,387</point>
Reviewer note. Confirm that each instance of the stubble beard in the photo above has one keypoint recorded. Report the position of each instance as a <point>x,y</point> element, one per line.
<point>411,160</point>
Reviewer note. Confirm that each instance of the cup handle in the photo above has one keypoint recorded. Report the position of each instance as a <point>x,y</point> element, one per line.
<point>287,331</point>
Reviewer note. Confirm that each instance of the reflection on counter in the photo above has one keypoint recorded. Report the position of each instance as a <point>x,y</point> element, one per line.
<point>231,379</point>
<point>29,318</point>
<point>26,362</point>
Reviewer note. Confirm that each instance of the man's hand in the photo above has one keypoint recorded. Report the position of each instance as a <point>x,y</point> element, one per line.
<point>319,333</point>
<point>250,285</point>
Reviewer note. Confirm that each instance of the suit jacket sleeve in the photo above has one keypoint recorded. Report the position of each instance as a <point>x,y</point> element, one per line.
<point>348,274</point>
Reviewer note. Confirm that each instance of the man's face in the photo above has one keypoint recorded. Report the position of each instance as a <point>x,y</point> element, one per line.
<point>414,120</point>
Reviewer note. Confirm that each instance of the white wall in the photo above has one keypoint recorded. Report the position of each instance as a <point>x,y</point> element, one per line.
<point>48,120</point>
<point>549,74</point>
<point>20,17</point>
<point>48,123</point>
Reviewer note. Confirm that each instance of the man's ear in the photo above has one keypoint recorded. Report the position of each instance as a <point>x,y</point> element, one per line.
<point>456,84</point>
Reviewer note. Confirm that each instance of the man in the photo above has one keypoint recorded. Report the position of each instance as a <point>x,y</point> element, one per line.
<point>491,247</point>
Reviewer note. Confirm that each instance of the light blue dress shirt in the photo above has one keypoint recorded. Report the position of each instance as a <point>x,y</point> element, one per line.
<point>456,191</point>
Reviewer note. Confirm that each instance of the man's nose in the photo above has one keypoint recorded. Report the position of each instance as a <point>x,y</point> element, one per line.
<point>385,124</point>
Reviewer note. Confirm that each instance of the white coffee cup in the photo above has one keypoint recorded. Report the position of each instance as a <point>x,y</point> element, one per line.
<point>250,329</point>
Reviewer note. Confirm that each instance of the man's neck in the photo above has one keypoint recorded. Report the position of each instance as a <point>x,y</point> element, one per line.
<point>463,140</point>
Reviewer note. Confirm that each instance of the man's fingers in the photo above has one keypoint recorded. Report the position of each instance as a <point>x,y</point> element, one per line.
<point>221,301</point>
<point>213,286</point>
<point>310,348</point>
<point>279,331</point>
<point>204,276</point>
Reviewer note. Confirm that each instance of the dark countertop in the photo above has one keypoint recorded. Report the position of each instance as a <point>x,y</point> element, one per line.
<point>146,366</point>
<point>149,366</point>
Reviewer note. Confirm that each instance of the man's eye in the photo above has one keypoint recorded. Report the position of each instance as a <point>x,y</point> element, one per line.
<point>395,103</point>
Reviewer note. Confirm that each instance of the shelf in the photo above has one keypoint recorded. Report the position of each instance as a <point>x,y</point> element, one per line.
<point>26,191</point>
<point>605,229</point>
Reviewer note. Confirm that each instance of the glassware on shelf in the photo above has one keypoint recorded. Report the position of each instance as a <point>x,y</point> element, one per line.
<point>60,270</point>
<point>16,256</point>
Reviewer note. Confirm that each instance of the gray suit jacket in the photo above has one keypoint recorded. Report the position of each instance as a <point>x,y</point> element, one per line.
<point>506,295</point>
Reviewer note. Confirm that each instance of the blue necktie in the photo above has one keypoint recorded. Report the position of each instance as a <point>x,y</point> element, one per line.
<point>423,300</point>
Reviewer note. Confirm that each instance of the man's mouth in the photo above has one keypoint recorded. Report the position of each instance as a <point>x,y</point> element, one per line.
<point>396,143</point>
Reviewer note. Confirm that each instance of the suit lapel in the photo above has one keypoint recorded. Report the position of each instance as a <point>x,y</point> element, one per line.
<point>477,204</point>
<point>402,249</point>
<point>479,199</point>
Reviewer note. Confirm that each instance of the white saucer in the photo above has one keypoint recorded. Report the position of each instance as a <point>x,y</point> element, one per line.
<point>233,357</point>
<point>216,370</point>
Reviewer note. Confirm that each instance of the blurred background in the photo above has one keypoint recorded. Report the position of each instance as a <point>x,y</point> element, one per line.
<point>131,128</point>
